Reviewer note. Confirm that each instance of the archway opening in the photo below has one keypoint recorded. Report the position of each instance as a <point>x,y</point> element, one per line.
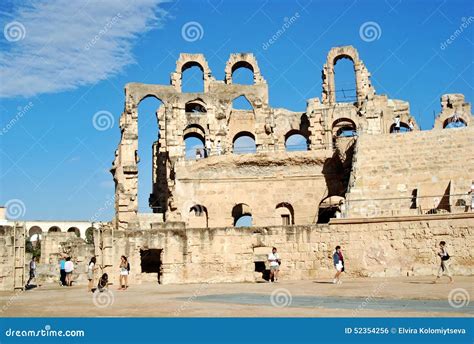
<point>285,214</point>
<point>192,78</point>
<point>404,128</point>
<point>344,80</point>
<point>54,229</point>
<point>242,215</point>
<point>75,230</point>
<point>295,141</point>
<point>90,235</point>
<point>344,127</point>
<point>198,217</point>
<point>149,110</point>
<point>244,143</point>
<point>330,207</point>
<point>454,122</point>
<point>195,107</point>
<point>241,103</point>
<point>194,142</point>
<point>242,74</point>
<point>35,234</point>
<point>150,261</point>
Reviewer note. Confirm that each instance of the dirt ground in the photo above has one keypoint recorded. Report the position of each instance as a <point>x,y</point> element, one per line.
<point>355,297</point>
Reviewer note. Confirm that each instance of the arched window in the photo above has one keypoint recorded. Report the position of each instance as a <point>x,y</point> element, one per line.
<point>241,103</point>
<point>242,73</point>
<point>242,215</point>
<point>295,141</point>
<point>344,79</point>
<point>35,233</point>
<point>54,229</point>
<point>198,217</point>
<point>285,214</point>
<point>192,78</point>
<point>454,122</point>
<point>404,128</point>
<point>330,207</point>
<point>195,107</point>
<point>75,230</point>
<point>244,143</point>
<point>194,141</point>
<point>344,127</point>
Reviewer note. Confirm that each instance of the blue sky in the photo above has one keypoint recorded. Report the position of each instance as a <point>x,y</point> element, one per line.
<point>62,63</point>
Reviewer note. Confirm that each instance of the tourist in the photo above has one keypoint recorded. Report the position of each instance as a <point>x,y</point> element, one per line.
<point>69,268</point>
<point>338,260</point>
<point>62,272</point>
<point>198,154</point>
<point>90,273</point>
<point>444,266</point>
<point>103,282</point>
<point>32,271</point>
<point>472,196</point>
<point>275,262</point>
<point>124,272</point>
<point>208,148</point>
<point>396,123</point>
<point>411,124</point>
<point>218,148</point>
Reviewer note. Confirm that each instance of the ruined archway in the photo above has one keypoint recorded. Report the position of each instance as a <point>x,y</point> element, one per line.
<point>198,217</point>
<point>242,215</point>
<point>244,143</point>
<point>75,230</point>
<point>295,140</point>
<point>285,214</point>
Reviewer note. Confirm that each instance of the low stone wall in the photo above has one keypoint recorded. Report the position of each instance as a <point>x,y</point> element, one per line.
<point>373,248</point>
<point>6,257</point>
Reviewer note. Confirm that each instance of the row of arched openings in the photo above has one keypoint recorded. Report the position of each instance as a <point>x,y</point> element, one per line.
<point>35,232</point>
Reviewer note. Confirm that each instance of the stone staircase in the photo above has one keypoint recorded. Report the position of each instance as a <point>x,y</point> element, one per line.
<point>411,173</point>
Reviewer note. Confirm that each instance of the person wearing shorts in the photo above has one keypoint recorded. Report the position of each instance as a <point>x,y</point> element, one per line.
<point>90,274</point>
<point>338,260</point>
<point>274,260</point>
<point>69,268</point>
<point>124,272</point>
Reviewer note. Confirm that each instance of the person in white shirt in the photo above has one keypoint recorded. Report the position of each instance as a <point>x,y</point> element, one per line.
<point>90,274</point>
<point>69,268</point>
<point>275,261</point>
<point>208,148</point>
<point>396,122</point>
<point>218,148</point>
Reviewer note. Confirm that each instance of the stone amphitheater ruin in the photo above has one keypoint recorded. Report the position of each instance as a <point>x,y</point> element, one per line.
<point>386,197</point>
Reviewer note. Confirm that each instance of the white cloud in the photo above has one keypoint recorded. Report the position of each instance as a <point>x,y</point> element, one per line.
<point>68,44</point>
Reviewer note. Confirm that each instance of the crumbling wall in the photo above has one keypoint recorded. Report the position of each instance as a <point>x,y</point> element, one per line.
<point>7,256</point>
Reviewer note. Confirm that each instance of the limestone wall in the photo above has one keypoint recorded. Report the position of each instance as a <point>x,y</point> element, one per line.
<point>6,257</point>
<point>374,248</point>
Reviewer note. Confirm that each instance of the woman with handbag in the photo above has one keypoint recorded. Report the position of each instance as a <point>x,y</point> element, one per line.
<point>444,266</point>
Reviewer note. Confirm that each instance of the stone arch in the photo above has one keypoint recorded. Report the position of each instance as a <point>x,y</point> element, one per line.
<point>54,229</point>
<point>75,230</point>
<point>454,119</point>
<point>89,235</point>
<point>249,147</point>
<point>195,106</point>
<point>198,217</point>
<point>299,147</point>
<point>35,231</point>
<point>342,124</point>
<point>329,207</point>
<point>243,60</point>
<point>364,88</point>
<point>286,212</point>
<point>240,210</point>
<point>190,134</point>
<point>186,61</point>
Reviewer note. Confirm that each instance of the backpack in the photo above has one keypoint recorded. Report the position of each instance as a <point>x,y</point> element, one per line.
<point>446,256</point>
